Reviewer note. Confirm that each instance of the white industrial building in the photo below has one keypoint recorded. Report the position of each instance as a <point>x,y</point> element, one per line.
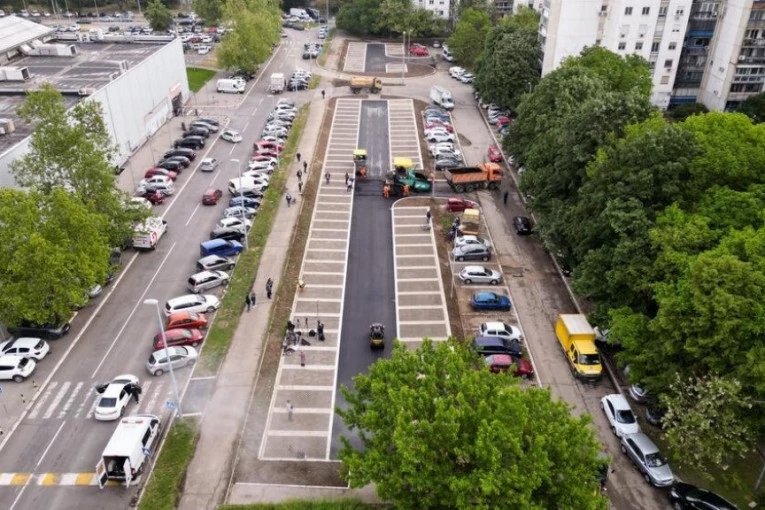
<point>441,8</point>
<point>140,85</point>
<point>654,29</point>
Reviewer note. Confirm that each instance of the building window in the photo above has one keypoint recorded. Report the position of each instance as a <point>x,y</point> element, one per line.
<point>655,47</point>
<point>680,11</point>
<point>622,45</point>
<point>652,65</point>
<point>663,12</point>
<point>638,45</point>
<point>664,80</point>
<point>672,45</point>
<point>628,11</point>
<point>646,11</point>
<point>604,8</point>
<point>668,63</point>
<point>675,29</point>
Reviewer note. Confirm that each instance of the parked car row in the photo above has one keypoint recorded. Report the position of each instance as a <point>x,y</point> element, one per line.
<point>461,75</point>
<point>442,140</point>
<point>312,50</point>
<point>299,80</point>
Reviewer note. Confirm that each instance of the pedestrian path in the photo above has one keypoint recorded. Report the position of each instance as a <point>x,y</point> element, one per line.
<point>402,131</point>
<point>306,379</point>
<point>66,400</point>
<point>355,57</point>
<point>420,302</point>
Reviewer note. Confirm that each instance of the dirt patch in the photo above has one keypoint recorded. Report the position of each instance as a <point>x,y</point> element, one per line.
<point>297,472</point>
<point>343,53</point>
<point>463,140</point>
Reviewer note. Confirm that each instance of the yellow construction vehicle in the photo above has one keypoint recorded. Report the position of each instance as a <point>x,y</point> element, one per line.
<point>359,83</point>
<point>360,162</point>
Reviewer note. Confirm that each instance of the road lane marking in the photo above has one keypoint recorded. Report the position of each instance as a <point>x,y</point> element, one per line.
<point>42,457</point>
<point>138,303</point>
<point>70,400</point>
<point>191,216</point>
<point>145,390</point>
<point>92,409</point>
<point>43,399</point>
<point>56,401</point>
<point>152,402</point>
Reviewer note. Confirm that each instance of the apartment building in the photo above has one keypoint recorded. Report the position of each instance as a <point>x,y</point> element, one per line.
<point>654,29</point>
<point>442,8</point>
<point>694,57</point>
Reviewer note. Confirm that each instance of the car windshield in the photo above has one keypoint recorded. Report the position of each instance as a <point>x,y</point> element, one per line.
<point>107,402</point>
<point>589,359</point>
<point>625,416</point>
<point>655,460</point>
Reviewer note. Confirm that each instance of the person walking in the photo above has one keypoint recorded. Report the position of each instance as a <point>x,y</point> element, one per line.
<point>302,358</point>
<point>269,288</point>
<point>346,178</point>
<point>504,197</point>
<point>322,94</point>
<point>386,191</point>
<point>406,190</point>
<point>252,298</point>
<point>427,217</point>
<point>327,175</point>
<point>288,198</point>
<point>137,393</point>
<point>290,408</point>
<point>248,302</point>
<point>300,187</point>
<point>305,167</point>
<point>299,174</point>
<point>298,157</point>
<point>349,185</point>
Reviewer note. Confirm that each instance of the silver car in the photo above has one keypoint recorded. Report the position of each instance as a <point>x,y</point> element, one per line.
<point>239,211</point>
<point>213,262</point>
<point>648,459</point>
<point>480,274</point>
<point>204,280</point>
<point>180,356</point>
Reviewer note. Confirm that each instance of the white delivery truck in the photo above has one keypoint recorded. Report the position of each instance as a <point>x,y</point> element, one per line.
<point>230,86</point>
<point>299,13</point>
<point>441,97</point>
<point>148,234</point>
<point>130,446</point>
<point>277,83</point>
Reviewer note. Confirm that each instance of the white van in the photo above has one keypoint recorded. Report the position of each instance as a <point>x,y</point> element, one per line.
<point>245,184</point>
<point>447,55</point>
<point>131,444</point>
<point>230,86</point>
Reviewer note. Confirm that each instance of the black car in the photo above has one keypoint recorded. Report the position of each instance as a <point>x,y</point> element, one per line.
<point>228,235</point>
<point>183,160</point>
<point>300,85</point>
<point>446,163</point>
<point>44,331</point>
<point>522,225</point>
<point>252,193</point>
<point>189,143</point>
<point>186,153</point>
<point>214,122</point>
<point>655,415</point>
<point>486,346</point>
<point>196,131</point>
<point>685,495</point>
<point>171,164</point>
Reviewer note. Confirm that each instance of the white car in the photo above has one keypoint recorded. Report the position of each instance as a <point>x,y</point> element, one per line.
<point>440,137</point>
<point>231,136</point>
<point>140,202</point>
<point>470,239</point>
<point>272,138</point>
<point>439,152</point>
<point>201,303</point>
<point>208,165</point>
<point>619,414</point>
<point>157,179</point>
<point>480,274</point>
<point>239,211</point>
<point>114,398</point>
<point>16,368</point>
<point>443,145</point>
<point>180,356</point>
<point>288,102</point>
<point>233,223</point>
<point>500,330</point>
<point>29,347</point>
<point>275,131</point>
<point>466,78</point>
<point>456,71</point>
<point>203,50</point>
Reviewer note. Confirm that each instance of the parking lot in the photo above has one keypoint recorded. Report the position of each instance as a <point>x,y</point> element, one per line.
<point>402,127</point>
<point>305,432</point>
<point>355,57</point>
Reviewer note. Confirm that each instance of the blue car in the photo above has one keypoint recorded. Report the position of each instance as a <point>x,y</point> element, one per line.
<point>490,301</point>
<point>250,202</point>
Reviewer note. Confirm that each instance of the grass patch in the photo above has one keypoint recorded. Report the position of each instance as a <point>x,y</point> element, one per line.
<point>315,79</point>
<point>198,77</point>
<point>227,318</point>
<point>164,488</point>
<point>340,504</point>
<point>327,43</point>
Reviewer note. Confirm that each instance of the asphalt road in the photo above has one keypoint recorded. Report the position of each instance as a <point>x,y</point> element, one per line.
<point>112,334</point>
<point>369,288</point>
<point>376,58</point>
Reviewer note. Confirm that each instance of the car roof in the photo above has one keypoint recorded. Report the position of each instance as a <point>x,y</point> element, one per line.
<point>487,294</point>
<point>494,325</point>
<point>13,360</point>
<point>23,341</point>
<point>643,442</point>
<point>184,299</point>
<point>475,268</point>
<point>619,402</point>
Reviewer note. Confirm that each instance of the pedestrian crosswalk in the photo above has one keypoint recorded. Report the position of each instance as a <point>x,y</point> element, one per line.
<point>61,400</point>
<point>53,480</point>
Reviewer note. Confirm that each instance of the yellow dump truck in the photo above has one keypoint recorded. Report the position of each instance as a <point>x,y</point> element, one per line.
<point>359,83</point>
<point>471,222</point>
<point>577,338</point>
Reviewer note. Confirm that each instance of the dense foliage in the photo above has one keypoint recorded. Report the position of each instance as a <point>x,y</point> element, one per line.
<point>158,16</point>
<point>439,430</point>
<point>256,26</point>
<point>388,18</point>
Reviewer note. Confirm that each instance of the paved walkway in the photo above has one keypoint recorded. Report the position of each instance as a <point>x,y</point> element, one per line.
<point>208,474</point>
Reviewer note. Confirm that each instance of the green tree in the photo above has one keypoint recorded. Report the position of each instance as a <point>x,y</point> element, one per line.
<point>72,149</point>
<point>210,10</point>
<point>55,251</point>
<point>359,17</point>
<point>754,107</point>
<point>257,25</point>
<point>703,423</point>
<point>469,36</point>
<point>478,5</point>
<point>158,16</point>
<point>439,430</point>
<point>622,73</point>
<point>683,111</point>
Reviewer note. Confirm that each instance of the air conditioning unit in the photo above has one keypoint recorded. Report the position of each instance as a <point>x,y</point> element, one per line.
<point>86,91</point>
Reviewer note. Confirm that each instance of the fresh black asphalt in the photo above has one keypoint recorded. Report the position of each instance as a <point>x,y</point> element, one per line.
<point>376,59</point>
<point>369,287</point>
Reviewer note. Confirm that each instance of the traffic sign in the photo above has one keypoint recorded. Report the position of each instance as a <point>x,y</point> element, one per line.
<point>170,404</point>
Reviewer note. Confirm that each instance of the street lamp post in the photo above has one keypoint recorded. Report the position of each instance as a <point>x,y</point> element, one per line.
<point>167,353</point>
<point>403,58</point>
<point>241,202</point>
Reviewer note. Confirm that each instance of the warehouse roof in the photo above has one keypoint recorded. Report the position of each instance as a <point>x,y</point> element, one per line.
<point>15,31</point>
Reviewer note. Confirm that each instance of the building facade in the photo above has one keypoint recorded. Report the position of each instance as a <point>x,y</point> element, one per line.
<point>441,8</point>
<point>653,29</point>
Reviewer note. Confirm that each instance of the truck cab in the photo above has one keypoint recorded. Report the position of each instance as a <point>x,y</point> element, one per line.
<point>577,339</point>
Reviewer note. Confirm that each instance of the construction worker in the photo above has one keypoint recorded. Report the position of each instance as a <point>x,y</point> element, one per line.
<point>386,191</point>
<point>406,190</point>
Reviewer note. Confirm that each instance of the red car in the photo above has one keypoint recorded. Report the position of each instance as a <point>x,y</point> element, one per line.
<point>186,320</point>
<point>501,121</point>
<point>494,155</point>
<point>502,363</point>
<point>151,172</point>
<point>447,127</point>
<point>418,51</point>
<point>266,152</point>
<point>155,197</point>
<point>268,146</point>
<point>459,204</point>
<point>176,337</point>
<point>211,196</point>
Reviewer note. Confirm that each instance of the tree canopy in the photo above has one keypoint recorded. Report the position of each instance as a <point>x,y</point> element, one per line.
<point>389,18</point>
<point>469,37</point>
<point>209,10</point>
<point>257,25</point>
<point>439,430</point>
<point>158,16</point>
<point>754,107</point>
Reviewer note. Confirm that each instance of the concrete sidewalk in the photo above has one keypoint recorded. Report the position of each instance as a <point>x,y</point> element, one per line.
<point>209,472</point>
